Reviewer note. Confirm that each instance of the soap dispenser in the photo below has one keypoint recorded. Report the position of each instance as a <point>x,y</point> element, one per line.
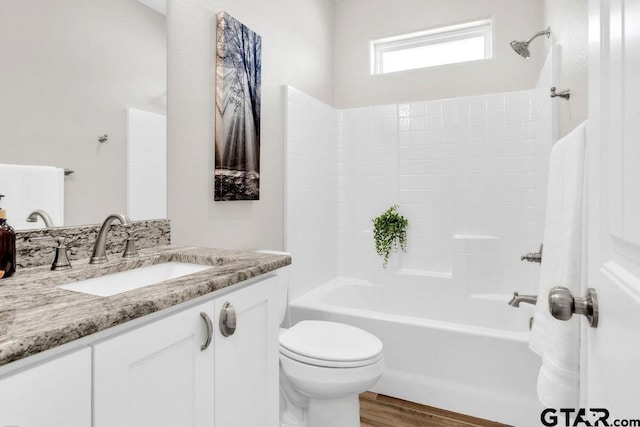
<point>7,246</point>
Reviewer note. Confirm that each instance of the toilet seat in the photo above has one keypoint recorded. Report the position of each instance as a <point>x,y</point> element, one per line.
<point>330,344</point>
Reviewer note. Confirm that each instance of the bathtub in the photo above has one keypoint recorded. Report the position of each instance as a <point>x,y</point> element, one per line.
<point>443,346</point>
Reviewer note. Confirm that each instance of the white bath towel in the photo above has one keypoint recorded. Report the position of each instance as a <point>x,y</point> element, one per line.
<point>563,264</point>
<point>28,188</point>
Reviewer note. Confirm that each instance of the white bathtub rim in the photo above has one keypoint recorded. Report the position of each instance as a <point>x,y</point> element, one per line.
<point>312,300</point>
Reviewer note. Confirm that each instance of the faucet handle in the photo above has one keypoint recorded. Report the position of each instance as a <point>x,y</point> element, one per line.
<point>533,256</point>
<point>61,259</point>
<point>130,250</point>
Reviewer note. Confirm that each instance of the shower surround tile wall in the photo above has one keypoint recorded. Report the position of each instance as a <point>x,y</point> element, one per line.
<point>311,197</point>
<point>469,174</point>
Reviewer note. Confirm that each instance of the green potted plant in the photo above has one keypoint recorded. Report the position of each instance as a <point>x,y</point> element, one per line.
<point>390,233</point>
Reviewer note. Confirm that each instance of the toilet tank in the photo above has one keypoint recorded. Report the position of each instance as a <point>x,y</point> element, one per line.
<point>283,286</point>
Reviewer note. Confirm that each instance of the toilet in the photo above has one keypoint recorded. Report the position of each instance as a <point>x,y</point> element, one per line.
<point>324,366</point>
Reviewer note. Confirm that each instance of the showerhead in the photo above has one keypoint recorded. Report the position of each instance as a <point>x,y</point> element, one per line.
<point>522,48</point>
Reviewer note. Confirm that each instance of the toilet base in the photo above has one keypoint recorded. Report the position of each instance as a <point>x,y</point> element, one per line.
<point>343,412</point>
<point>298,410</point>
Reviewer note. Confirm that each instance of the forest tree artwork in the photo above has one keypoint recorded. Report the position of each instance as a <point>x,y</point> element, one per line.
<point>237,129</point>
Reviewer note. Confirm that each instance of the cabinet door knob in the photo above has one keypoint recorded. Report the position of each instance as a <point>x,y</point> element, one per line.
<point>207,321</point>
<point>228,319</point>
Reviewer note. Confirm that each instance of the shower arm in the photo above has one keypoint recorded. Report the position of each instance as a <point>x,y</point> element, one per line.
<point>546,32</point>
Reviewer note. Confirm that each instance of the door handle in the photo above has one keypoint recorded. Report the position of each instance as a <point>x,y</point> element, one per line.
<point>563,305</point>
<point>207,321</point>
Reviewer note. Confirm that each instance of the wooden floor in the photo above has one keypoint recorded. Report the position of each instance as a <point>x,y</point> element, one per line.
<point>377,410</point>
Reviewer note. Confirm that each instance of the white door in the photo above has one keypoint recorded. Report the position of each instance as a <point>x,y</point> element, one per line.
<point>246,362</point>
<point>156,375</point>
<point>612,350</point>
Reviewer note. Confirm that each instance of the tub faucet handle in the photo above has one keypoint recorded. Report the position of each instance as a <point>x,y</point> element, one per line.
<point>533,256</point>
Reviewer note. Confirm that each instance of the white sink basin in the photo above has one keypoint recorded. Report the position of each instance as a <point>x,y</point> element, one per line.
<point>115,283</point>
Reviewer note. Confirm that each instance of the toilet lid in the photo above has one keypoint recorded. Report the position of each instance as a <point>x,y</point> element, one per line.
<point>330,344</point>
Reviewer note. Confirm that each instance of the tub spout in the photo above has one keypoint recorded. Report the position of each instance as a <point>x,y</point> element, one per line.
<point>517,299</point>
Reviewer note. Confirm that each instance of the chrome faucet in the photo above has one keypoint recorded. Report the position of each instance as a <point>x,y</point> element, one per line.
<point>33,217</point>
<point>99,255</point>
<point>517,299</point>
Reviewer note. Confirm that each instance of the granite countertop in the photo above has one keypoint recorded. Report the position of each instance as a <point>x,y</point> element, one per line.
<point>36,316</point>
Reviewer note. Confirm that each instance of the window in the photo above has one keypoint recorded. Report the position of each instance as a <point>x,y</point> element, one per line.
<point>440,46</point>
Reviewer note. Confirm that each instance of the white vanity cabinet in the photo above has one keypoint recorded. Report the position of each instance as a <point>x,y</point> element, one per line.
<point>247,362</point>
<point>53,393</point>
<point>160,374</point>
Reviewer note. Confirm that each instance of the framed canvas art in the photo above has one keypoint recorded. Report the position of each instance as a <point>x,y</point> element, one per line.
<point>237,110</point>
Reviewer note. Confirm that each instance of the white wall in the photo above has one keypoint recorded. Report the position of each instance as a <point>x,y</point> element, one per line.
<point>569,23</point>
<point>357,22</point>
<point>70,69</point>
<point>297,41</point>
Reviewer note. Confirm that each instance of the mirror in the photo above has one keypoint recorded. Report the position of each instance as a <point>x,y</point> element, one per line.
<point>74,71</point>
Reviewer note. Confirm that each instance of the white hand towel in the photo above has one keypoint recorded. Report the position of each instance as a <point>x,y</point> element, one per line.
<point>28,188</point>
<point>563,262</point>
